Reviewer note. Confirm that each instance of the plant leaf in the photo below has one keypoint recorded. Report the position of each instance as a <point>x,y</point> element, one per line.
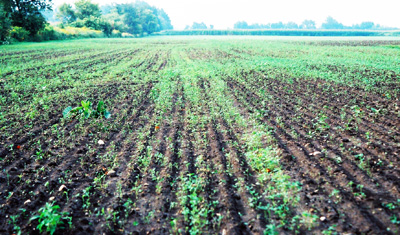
<point>107,114</point>
<point>85,104</point>
<point>67,111</point>
<point>34,217</point>
<point>100,106</point>
<point>86,113</point>
<point>76,109</point>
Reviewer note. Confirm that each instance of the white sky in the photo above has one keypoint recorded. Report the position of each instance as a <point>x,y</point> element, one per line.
<point>225,13</point>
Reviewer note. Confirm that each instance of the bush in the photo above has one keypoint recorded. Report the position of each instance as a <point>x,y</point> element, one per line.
<point>20,34</point>
<point>95,23</point>
<point>127,35</point>
<point>116,34</point>
<point>78,24</point>
<point>72,32</point>
<point>47,34</point>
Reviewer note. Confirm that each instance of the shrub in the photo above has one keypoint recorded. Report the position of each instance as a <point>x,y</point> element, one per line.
<point>127,35</point>
<point>20,34</point>
<point>116,33</point>
<point>47,34</point>
<point>72,32</point>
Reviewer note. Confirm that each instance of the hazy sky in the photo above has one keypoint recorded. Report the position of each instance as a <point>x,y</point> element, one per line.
<point>224,13</point>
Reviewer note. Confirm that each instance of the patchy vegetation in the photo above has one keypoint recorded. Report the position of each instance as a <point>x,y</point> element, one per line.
<point>227,135</point>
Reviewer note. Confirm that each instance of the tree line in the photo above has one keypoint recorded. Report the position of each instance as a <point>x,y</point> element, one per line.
<point>330,23</point>
<point>135,18</point>
<point>25,19</point>
<point>197,25</point>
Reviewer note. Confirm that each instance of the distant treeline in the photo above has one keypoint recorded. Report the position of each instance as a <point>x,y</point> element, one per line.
<point>136,18</point>
<point>330,23</point>
<point>28,20</point>
<point>282,32</point>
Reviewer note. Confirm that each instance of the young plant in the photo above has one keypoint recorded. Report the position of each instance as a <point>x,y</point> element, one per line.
<point>84,110</point>
<point>49,218</point>
<point>87,111</point>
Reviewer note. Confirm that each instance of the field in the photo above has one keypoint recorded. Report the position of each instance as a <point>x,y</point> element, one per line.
<point>223,135</point>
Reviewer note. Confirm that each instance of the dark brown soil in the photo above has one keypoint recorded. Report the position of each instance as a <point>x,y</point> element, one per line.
<point>339,142</point>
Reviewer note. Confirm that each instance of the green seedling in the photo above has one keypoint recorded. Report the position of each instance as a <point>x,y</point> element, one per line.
<point>87,111</point>
<point>49,218</point>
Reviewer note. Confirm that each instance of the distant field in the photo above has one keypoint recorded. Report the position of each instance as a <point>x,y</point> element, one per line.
<point>207,135</point>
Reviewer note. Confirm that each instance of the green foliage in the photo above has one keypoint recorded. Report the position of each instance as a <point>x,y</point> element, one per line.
<point>331,23</point>
<point>66,14</point>
<point>101,110</point>
<point>271,229</point>
<point>48,33</point>
<point>130,18</point>
<point>27,14</point>
<point>106,28</point>
<point>116,20</point>
<point>74,33</point>
<point>87,111</point>
<point>20,34</point>
<point>142,18</point>
<point>163,20</point>
<point>279,32</point>
<point>49,218</point>
<point>5,24</point>
<point>86,9</point>
<point>96,23</point>
<point>308,24</point>
<point>241,25</point>
<point>137,18</point>
<point>86,14</point>
<point>196,25</point>
<point>279,25</point>
<point>149,21</point>
<point>365,25</point>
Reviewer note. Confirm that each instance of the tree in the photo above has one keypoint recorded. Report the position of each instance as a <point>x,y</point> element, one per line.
<point>116,20</point>
<point>27,14</point>
<point>278,25</point>
<point>291,25</point>
<point>367,25</point>
<point>241,25</point>
<point>106,27</point>
<point>163,20</point>
<point>66,14</point>
<point>201,25</point>
<point>5,24</point>
<point>140,17</point>
<point>130,18</point>
<point>308,24</point>
<point>85,9</point>
<point>331,23</point>
<point>149,21</point>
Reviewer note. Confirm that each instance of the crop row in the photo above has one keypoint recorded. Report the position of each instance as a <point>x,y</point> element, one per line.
<point>227,136</point>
